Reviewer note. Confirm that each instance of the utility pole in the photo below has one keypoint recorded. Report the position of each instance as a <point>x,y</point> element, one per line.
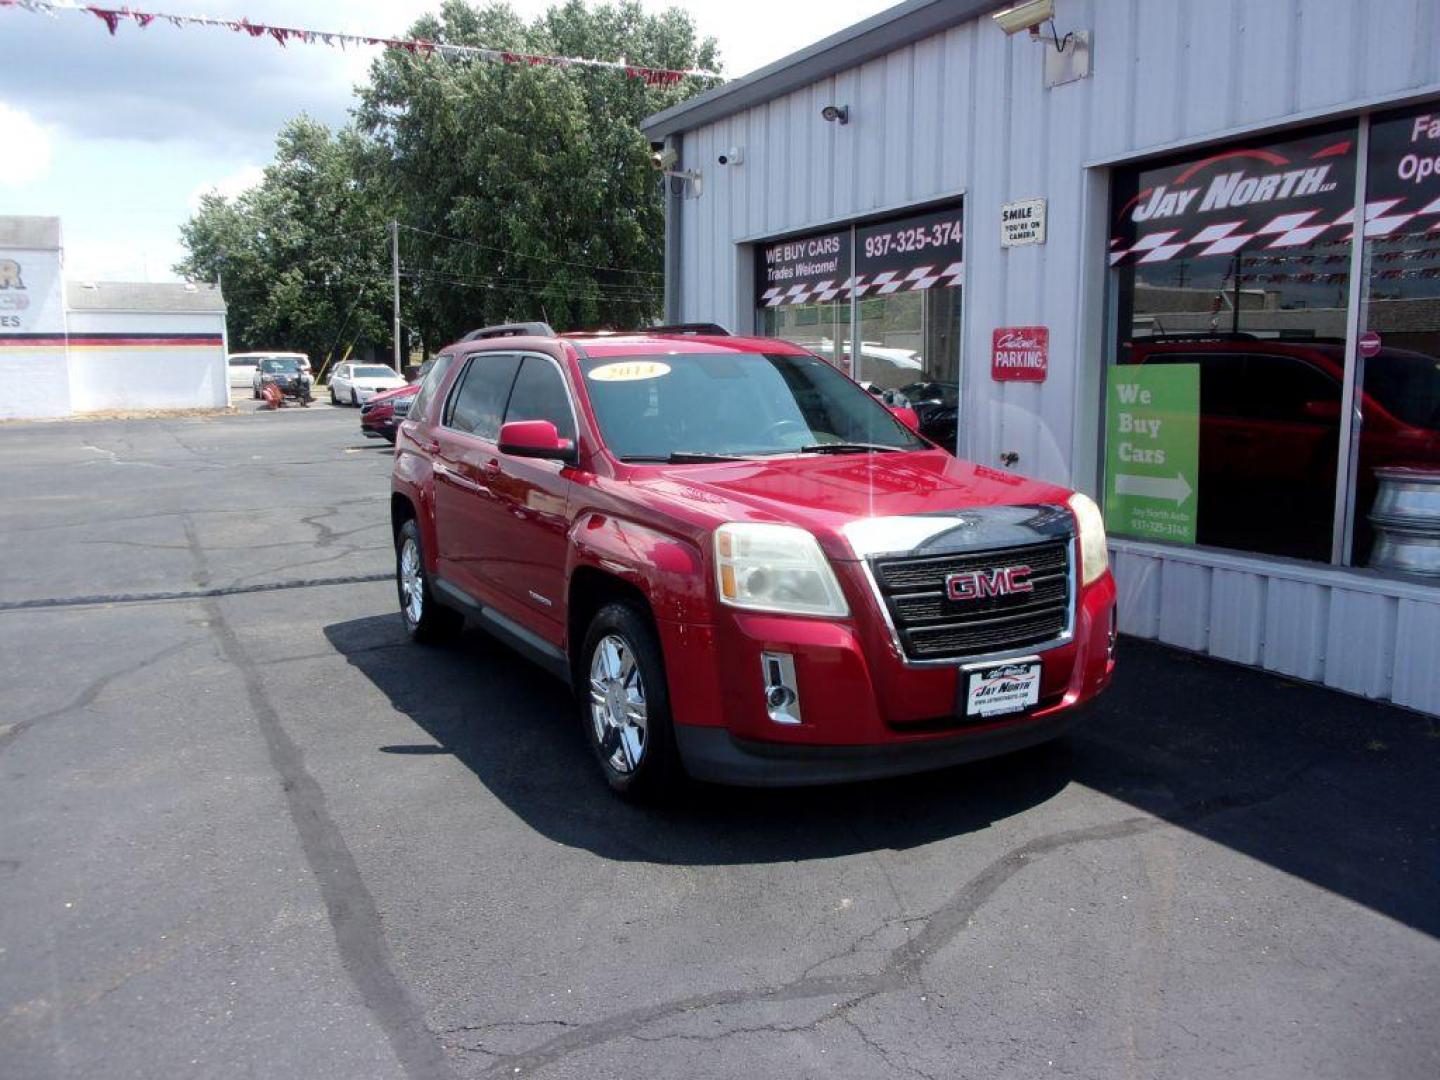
<point>395,285</point>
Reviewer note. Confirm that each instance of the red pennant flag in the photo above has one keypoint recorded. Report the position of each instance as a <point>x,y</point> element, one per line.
<point>279,33</point>
<point>110,18</point>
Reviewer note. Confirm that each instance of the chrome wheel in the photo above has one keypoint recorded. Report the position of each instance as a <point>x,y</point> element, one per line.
<point>412,582</point>
<point>617,704</point>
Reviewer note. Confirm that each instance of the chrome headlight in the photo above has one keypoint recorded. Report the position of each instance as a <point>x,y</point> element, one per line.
<point>1094,557</point>
<point>775,568</point>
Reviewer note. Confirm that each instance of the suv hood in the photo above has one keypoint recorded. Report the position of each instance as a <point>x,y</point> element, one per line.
<point>825,493</point>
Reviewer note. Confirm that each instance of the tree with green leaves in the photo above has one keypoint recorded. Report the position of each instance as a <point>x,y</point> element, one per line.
<point>302,257</point>
<point>522,192</point>
<point>527,192</point>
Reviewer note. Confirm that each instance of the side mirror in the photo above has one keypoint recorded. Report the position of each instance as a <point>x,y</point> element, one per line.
<point>1323,410</point>
<point>906,415</point>
<point>536,439</point>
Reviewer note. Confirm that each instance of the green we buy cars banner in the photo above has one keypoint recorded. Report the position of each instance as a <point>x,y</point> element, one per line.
<point>1152,453</point>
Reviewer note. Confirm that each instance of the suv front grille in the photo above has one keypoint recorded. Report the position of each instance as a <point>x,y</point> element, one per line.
<point>931,626</point>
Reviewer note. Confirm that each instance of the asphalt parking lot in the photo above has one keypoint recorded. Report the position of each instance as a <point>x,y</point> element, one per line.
<point>248,830</point>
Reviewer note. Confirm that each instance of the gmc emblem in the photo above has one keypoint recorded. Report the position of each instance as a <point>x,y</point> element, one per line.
<point>978,584</point>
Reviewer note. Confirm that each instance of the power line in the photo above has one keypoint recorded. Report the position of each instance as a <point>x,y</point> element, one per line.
<point>598,292</point>
<point>613,298</point>
<point>524,255</point>
<point>525,282</point>
<point>531,284</point>
<point>113,17</point>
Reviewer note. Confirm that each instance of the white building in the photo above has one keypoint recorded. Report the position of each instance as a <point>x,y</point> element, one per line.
<point>1126,244</point>
<point>78,347</point>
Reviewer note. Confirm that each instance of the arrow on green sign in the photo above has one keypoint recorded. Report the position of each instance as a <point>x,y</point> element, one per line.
<point>1170,488</point>
<point>1152,451</point>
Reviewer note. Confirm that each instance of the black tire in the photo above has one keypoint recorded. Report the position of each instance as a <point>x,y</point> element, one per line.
<point>659,774</point>
<point>354,398</point>
<point>333,399</point>
<point>435,622</point>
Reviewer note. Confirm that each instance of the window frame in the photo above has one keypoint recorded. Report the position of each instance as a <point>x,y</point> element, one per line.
<point>468,360</point>
<point>564,384</point>
<point>1348,436</point>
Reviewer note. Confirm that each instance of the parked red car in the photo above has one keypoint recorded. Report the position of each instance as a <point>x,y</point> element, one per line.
<point>380,416</point>
<point>750,570</point>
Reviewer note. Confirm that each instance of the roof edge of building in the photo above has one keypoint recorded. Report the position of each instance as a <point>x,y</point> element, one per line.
<point>30,232</point>
<point>883,32</point>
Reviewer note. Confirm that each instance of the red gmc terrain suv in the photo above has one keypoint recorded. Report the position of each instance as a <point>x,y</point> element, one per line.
<point>748,568</point>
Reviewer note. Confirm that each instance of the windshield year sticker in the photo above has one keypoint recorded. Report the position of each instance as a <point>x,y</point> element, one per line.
<point>630,371</point>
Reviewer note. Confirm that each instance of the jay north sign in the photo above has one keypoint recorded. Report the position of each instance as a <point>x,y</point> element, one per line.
<point>1278,196</point>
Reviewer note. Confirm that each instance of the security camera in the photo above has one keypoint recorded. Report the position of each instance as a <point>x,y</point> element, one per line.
<point>734,156</point>
<point>835,114</point>
<point>664,160</point>
<point>1026,16</point>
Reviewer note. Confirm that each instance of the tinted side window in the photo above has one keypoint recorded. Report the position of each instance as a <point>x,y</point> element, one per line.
<point>540,394</point>
<point>428,385</point>
<point>478,401</point>
<point>1279,388</point>
<point>1222,379</point>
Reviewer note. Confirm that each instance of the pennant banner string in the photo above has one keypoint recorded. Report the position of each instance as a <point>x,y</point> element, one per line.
<point>113,17</point>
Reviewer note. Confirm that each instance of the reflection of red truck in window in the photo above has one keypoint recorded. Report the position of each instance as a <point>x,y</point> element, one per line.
<point>1270,428</point>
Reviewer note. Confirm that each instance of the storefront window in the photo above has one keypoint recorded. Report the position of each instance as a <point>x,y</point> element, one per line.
<point>901,303</point>
<point>1231,276</point>
<point>1398,353</point>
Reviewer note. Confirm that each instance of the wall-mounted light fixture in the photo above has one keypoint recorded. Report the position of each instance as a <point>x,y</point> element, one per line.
<point>1031,16</point>
<point>835,114</point>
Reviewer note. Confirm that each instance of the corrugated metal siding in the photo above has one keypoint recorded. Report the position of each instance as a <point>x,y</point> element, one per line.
<point>1366,635</point>
<point>966,111</point>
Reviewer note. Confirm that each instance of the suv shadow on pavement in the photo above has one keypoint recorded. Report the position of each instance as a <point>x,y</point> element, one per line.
<point>1326,787</point>
<point>517,728</point>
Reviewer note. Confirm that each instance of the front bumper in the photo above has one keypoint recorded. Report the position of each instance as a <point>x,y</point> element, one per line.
<point>713,754</point>
<point>864,712</point>
<point>379,427</point>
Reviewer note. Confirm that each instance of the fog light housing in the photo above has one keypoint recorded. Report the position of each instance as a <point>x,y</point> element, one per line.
<point>782,696</point>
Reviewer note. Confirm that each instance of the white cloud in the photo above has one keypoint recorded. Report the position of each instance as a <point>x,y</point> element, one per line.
<point>230,185</point>
<point>90,259</point>
<point>27,148</point>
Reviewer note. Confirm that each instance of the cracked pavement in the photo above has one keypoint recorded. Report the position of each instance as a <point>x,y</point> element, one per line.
<point>250,831</point>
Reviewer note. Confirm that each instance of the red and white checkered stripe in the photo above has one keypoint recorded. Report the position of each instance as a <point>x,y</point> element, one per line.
<point>853,288</point>
<point>1283,231</point>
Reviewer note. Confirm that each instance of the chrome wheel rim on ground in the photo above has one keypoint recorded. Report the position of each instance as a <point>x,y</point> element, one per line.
<point>617,704</point>
<point>412,585</point>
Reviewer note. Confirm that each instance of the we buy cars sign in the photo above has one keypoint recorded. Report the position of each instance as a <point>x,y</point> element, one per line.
<point>1020,353</point>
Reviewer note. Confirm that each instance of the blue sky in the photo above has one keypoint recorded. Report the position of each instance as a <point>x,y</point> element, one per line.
<point>119,136</point>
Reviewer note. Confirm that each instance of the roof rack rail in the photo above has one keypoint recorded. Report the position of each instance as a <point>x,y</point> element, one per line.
<point>708,328</point>
<point>519,329</point>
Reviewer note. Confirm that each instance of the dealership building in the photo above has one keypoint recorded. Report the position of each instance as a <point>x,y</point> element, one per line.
<point>1122,251</point>
<point>69,347</point>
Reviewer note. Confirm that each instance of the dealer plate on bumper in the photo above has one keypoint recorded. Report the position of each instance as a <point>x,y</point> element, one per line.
<point>1000,689</point>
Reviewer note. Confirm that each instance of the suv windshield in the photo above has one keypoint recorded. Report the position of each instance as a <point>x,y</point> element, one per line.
<point>273,364</point>
<point>651,408</point>
<point>375,373</point>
